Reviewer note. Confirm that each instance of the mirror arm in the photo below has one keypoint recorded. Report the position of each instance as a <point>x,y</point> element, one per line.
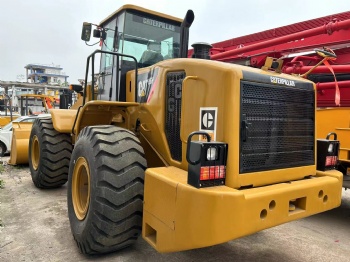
<point>116,39</point>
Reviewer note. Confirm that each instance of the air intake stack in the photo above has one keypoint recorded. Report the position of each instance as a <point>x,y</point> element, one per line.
<point>201,50</point>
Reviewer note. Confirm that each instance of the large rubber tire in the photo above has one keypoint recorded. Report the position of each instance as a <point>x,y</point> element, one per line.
<point>105,189</point>
<point>2,149</point>
<point>49,154</point>
<point>343,167</point>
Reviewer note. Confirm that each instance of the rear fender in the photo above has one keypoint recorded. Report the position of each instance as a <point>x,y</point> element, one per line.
<point>63,119</point>
<point>99,112</point>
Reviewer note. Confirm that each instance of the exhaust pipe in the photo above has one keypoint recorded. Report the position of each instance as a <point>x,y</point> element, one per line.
<point>184,33</point>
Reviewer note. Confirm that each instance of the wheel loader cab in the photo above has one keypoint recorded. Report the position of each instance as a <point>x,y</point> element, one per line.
<point>146,35</point>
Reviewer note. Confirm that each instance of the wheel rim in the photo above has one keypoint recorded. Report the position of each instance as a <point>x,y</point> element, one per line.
<point>35,152</point>
<point>81,188</point>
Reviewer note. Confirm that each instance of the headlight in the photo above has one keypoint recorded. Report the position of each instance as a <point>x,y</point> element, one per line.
<point>330,148</point>
<point>212,153</point>
<point>206,161</point>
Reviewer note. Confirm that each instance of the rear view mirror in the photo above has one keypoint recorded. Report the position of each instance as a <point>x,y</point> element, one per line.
<point>86,32</point>
<point>76,88</point>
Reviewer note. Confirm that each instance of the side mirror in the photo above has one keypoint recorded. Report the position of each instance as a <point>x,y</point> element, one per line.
<point>86,32</point>
<point>76,88</point>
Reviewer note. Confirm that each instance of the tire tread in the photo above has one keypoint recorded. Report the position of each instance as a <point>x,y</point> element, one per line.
<point>56,149</point>
<point>117,203</point>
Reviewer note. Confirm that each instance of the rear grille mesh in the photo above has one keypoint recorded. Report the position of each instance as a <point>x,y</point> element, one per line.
<point>173,113</point>
<point>277,127</point>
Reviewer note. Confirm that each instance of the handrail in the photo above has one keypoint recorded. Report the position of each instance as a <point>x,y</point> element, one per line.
<point>92,57</point>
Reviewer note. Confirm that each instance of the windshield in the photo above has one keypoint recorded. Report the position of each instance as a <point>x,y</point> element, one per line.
<point>141,33</point>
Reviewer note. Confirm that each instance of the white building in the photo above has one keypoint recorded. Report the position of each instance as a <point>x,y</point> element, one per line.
<point>45,74</point>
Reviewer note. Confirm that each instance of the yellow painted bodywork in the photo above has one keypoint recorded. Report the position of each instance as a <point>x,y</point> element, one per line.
<point>81,188</point>
<point>102,112</point>
<point>178,216</point>
<point>335,120</point>
<point>21,132</point>
<point>207,84</point>
<point>63,119</point>
<point>4,120</point>
<point>142,10</point>
<point>20,142</point>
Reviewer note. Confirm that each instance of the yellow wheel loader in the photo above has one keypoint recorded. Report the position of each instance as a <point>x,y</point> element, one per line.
<point>187,151</point>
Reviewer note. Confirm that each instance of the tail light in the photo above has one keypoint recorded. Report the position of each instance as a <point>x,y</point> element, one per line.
<point>327,153</point>
<point>206,161</point>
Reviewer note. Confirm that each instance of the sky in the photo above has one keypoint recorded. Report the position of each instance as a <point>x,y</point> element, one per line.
<point>48,31</point>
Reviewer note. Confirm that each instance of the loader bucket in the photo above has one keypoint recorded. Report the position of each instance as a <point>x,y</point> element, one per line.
<point>20,143</point>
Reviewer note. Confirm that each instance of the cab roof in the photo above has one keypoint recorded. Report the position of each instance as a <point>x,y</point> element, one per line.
<point>140,9</point>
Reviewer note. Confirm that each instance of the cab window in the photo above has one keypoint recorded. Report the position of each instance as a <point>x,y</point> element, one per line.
<point>147,34</point>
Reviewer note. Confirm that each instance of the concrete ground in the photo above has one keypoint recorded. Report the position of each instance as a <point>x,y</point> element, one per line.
<point>34,226</point>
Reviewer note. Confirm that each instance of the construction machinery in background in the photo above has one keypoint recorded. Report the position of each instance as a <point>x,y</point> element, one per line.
<point>295,44</point>
<point>6,116</point>
<point>18,127</point>
<point>190,152</point>
<point>11,92</point>
<point>46,103</point>
<point>26,106</point>
<point>21,130</point>
<point>6,133</point>
<point>29,104</point>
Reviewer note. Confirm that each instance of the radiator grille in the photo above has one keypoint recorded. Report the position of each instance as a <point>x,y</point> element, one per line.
<point>173,113</point>
<point>277,127</point>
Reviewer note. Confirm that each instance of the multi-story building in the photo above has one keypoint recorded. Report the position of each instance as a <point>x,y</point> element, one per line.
<point>41,79</point>
<point>45,74</point>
